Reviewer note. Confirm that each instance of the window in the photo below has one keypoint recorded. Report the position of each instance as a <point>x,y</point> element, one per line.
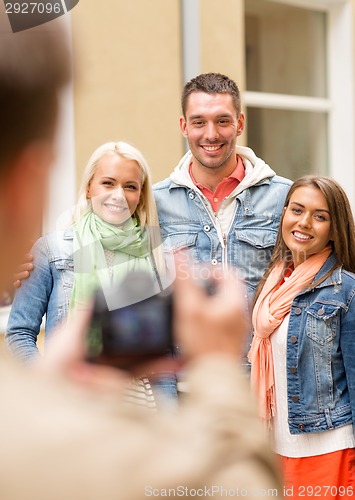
<point>294,143</point>
<point>285,48</point>
<point>299,97</point>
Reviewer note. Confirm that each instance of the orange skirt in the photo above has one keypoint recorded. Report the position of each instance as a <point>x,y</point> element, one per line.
<point>331,475</point>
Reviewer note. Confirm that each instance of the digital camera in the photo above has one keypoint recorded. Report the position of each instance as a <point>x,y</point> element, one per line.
<point>138,332</point>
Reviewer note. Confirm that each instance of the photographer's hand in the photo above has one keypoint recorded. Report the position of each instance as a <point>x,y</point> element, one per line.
<point>66,355</point>
<point>209,324</point>
<point>210,318</point>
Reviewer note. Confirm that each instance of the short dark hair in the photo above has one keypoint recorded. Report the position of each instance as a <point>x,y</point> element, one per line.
<point>34,66</point>
<point>211,83</point>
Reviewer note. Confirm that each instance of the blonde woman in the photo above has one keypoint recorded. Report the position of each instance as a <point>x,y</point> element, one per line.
<point>115,230</point>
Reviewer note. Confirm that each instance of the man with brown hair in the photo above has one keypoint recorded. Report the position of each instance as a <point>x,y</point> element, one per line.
<point>222,204</point>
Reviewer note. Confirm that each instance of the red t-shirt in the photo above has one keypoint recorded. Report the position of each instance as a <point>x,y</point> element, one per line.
<point>224,188</point>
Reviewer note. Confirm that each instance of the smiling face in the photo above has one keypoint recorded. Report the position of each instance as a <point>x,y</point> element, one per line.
<point>306,225</point>
<point>211,127</point>
<point>115,188</point>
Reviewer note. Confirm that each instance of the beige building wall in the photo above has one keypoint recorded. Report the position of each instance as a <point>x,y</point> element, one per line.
<point>128,79</point>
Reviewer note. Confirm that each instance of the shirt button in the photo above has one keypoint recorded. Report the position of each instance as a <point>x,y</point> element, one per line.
<point>293,339</point>
<point>301,427</point>
<point>214,262</point>
<point>215,199</point>
<point>293,369</point>
<point>321,311</point>
<point>298,311</point>
<point>191,196</point>
<point>207,228</point>
<point>295,399</point>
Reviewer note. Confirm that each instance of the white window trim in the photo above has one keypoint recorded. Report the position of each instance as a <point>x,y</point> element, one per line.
<point>340,102</point>
<point>312,4</point>
<point>341,127</point>
<point>285,101</point>
<point>191,50</point>
<point>190,13</point>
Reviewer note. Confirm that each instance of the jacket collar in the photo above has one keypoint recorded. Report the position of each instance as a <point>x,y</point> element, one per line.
<point>333,279</point>
<point>256,171</point>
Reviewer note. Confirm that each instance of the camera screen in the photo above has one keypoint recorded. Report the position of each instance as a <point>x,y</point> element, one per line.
<point>140,330</point>
<point>141,326</point>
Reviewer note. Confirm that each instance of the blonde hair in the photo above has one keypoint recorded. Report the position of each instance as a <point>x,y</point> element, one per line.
<point>146,211</point>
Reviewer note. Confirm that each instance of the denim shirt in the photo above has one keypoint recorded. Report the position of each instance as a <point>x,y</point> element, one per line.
<point>46,292</point>
<point>186,224</point>
<point>321,354</point>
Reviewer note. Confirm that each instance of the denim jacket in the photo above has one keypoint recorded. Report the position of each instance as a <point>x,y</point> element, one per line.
<point>46,292</point>
<point>187,224</point>
<point>321,354</point>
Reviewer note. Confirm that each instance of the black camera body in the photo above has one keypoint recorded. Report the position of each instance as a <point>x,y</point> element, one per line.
<point>135,333</point>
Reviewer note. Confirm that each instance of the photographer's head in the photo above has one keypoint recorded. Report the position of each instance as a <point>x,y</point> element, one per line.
<point>34,66</point>
<point>116,184</point>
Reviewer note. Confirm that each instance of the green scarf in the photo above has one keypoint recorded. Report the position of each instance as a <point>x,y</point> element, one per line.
<point>128,243</point>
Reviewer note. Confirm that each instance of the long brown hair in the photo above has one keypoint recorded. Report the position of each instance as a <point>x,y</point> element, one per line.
<point>341,227</point>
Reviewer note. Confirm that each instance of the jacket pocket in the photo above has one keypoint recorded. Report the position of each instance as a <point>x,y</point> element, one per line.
<point>258,238</point>
<point>179,241</point>
<point>322,322</point>
<point>64,264</point>
<point>65,269</point>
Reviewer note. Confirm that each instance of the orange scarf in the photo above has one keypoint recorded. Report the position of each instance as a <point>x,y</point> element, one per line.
<point>269,312</point>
